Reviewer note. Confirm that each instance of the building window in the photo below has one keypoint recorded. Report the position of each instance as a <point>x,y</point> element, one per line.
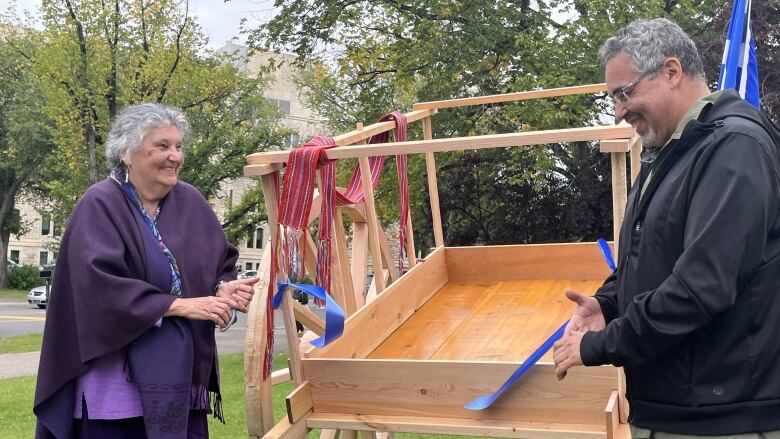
<point>248,266</point>
<point>45,225</point>
<point>259,238</point>
<point>57,229</point>
<point>284,106</point>
<point>292,141</point>
<point>15,256</point>
<point>43,259</point>
<point>255,240</point>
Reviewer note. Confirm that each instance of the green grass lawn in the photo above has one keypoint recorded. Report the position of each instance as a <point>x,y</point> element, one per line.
<point>15,295</point>
<point>17,420</point>
<point>21,343</point>
<point>16,399</point>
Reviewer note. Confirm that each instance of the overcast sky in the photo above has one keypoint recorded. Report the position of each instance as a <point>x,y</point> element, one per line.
<point>219,20</point>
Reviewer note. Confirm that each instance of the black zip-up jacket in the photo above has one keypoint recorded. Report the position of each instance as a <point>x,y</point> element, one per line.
<point>693,310</point>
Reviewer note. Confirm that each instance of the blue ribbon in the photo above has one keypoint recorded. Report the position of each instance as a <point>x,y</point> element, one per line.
<point>334,315</point>
<point>607,253</point>
<point>483,402</point>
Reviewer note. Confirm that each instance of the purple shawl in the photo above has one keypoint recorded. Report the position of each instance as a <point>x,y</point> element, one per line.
<point>109,290</point>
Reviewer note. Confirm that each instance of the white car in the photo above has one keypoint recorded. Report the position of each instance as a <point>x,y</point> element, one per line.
<point>249,274</point>
<point>37,296</point>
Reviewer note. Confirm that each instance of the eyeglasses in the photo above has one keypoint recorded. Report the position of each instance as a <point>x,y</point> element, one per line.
<point>622,94</point>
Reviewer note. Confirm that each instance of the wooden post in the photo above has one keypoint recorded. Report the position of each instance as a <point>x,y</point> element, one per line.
<point>619,197</point>
<point>373,225</point>
<point>411,255</point>
<point>271,207</point>
<point>636,160</point>
<point>433,188</point>
<point>619,193</point>
<point>359,263</point>
<point>257,392</point>
<point>341,264</point>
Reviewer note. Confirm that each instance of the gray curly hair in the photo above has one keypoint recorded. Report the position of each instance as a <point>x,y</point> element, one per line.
<point>133,123</point>
<point>649,43</point>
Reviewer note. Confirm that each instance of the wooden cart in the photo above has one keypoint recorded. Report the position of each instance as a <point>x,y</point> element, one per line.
<point>455,326</point>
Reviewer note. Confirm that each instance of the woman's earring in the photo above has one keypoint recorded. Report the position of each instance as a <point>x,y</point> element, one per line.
<point>127,173</point>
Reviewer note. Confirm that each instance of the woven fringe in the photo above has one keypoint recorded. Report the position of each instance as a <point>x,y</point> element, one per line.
<point>216,408</point>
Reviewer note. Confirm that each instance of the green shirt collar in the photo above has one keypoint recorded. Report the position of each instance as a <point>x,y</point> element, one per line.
<point>694,113</point>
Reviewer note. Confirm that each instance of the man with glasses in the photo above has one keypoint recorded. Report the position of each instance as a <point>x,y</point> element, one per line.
<point>693,310</point>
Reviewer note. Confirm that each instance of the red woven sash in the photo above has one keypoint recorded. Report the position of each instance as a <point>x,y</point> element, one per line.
<point>288,252</point>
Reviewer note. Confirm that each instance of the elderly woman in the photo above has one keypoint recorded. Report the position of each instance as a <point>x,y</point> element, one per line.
<point>144,274</point>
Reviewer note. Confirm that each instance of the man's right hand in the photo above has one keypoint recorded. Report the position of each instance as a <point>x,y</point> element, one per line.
<point>587,316</point>
<point>216,309</point>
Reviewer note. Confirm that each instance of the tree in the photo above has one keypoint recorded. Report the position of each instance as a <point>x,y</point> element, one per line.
<point>102,55</point>
<point>25,143</point>
<point>366,58</point>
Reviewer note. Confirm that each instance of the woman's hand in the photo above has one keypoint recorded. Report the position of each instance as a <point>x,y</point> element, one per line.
<point>216,309</point>
<point>238,292</point>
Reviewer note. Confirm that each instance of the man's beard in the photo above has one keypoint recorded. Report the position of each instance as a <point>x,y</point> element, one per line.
<point>650,139</point>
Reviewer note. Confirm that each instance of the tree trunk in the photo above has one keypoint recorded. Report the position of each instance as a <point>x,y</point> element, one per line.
<point>4,237</point>
<point>89,136</point>
<point>7,202</point>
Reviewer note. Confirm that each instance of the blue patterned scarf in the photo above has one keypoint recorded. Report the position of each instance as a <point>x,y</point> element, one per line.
<point>118,176</point>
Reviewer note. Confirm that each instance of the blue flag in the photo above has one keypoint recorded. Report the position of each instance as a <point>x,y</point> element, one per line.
<point>739,69</point>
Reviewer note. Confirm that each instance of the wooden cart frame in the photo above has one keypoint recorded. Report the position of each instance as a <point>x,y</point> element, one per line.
<point>339,389</point>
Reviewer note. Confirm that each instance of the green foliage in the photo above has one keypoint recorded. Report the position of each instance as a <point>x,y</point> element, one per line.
<point>25,143</point>
<point>365,58</point>
<point>24,277</point>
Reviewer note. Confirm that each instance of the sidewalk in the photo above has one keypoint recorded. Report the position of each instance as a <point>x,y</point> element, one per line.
<point>15,365</point>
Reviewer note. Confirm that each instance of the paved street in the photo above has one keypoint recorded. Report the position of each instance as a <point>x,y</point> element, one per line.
<point>18,318</point>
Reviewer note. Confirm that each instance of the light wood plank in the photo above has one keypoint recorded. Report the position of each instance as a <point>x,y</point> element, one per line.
<point>257,392</point>
<point>411,255</point>
<point>511,97</point>
<point>619,193</point>
<point>612,415</point>
<point>577,261</point>
<point>636,157</point>
<point>298,402</point>
<point>617,145</point>
<point>285,430</point>
<point>566,135</point>
<point>308,319</point>
<point>359,261</point>
<point>433,186</point>
<point>365,330</point>
<point>260,170</point>
<point>280,376</point>
<point>362,133</point>
<point>342,266</point>
<point>441,388</point>
<point>371,220</point>
<point>388,263</point>
<point>449,426</point>
<point>271,206</point>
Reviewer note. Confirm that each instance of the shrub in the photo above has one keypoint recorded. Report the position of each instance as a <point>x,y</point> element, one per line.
<point>24,277</point>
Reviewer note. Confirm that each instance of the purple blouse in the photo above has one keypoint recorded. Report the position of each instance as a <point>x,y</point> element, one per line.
<point>110,392</point>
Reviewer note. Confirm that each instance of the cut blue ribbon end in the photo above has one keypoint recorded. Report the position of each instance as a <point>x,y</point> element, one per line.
<point>334,315</point>
<point>485,401</point>
<point>607,253</point>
